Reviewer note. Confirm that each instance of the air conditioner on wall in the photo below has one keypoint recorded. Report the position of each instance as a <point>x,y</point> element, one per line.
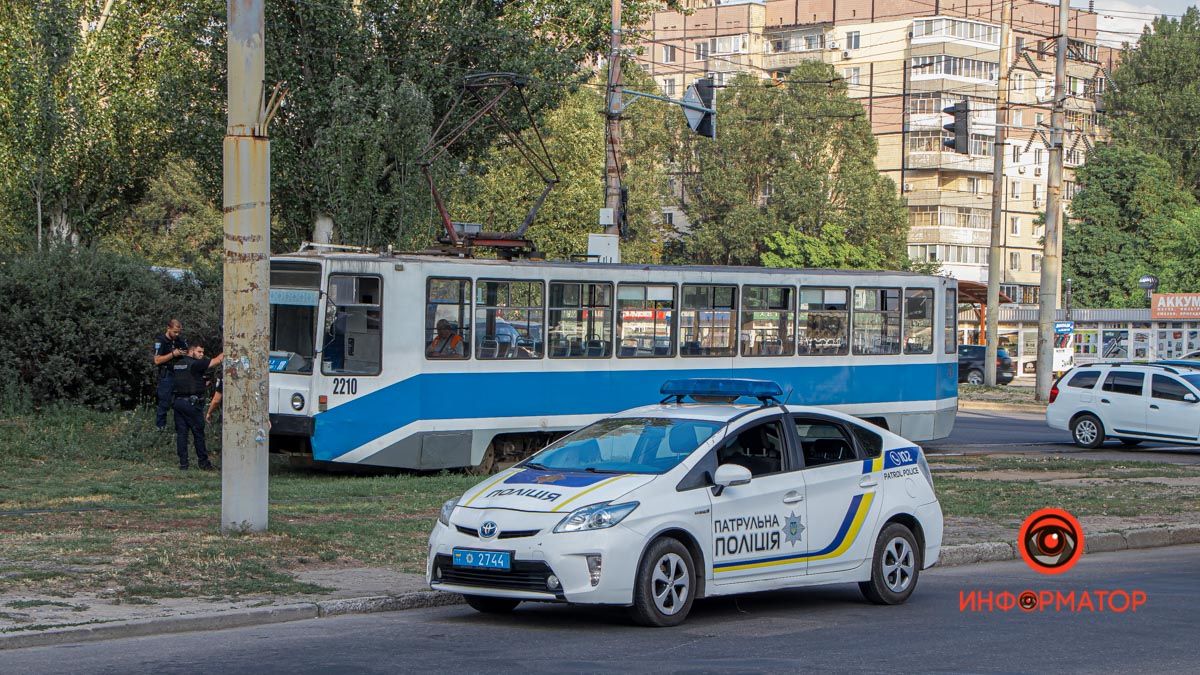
<point>908,187</point>
<point>846,54</point>
<point>833,45</point>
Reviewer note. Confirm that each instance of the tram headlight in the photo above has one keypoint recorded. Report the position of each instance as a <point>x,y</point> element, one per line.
<point>447,509</point>
<point>297,401</point>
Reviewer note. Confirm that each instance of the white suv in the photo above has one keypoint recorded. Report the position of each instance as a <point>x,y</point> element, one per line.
<point>1132,402</point>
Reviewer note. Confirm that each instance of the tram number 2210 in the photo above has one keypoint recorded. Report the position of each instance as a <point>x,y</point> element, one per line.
<point>345,385</point>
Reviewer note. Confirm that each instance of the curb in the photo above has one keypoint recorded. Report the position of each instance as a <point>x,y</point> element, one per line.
<point>997,406</point>
<point>951,556</point>
<point>1101,542</point>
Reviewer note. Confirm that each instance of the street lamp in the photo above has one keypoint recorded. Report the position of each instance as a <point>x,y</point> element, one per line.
<point>1148,283</point>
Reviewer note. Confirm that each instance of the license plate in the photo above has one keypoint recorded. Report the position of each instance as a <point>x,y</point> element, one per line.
<point>490,560</point>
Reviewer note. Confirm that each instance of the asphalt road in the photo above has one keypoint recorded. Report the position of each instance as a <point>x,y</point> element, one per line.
<point>830,629</point>
<point>983,432</point>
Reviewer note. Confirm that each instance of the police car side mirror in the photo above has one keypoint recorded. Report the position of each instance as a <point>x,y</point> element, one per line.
<point>1189,397</point>
<point>730,475</point>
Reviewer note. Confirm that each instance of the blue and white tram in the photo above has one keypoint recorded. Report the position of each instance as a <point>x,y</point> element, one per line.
<point>427,362</point>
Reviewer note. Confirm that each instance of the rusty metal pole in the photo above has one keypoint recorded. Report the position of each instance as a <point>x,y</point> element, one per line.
<point>247,181</point>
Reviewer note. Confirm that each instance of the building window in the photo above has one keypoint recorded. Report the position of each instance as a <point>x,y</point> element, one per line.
<point>1015,192</point>
<point>706,321</point>
<point>1011,291</point>
<point>1017,119</point>
<point>812,42</point>
<point>1020,45</point>
<point>1037,196</point>
<point>1037,156</point>
<point>1014,225</point>
<point>669,86</point>
<point>768,321</point>
<point>668,218</point>
<point>956,28</point>
<point>701,51</point>
<point>1014,261</point>
<point>851,75</point>
<point>973,185</point>
<point>508,320</point>
<point>954,66</point>
<point>853,39</point>
<point>1040,120</point>
<point>1036,263</point>
<point>1016,153</point>
<point>668,53</point>
<point>730,44</point>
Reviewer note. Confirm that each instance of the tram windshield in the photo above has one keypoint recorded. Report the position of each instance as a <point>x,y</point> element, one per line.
<point>626,445</point>
<point>295,296</point>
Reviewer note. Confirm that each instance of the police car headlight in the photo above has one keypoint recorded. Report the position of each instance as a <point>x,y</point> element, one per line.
<point>595,517</point>
<point>447,509</point>
<point>297,402</point>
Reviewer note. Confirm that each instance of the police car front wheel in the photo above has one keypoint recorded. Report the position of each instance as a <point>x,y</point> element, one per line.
<point>482,603</point>
<point>665,584</point>
<point>894,567</point>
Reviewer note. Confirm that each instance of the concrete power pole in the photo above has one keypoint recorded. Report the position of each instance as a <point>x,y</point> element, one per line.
<point>1051,256</point>
<point>998,184</point>
<point>247,180</point>
<point>612,154</point>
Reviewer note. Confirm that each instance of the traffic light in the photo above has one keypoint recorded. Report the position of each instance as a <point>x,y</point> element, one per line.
<point>698,107</point>
<point>960,127</point>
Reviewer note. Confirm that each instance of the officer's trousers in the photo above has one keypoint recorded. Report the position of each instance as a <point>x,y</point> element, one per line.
<point>166,386</point>
<point>189,416</point>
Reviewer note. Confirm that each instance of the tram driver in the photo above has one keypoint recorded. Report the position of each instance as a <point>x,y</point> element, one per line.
<point>447,344</point>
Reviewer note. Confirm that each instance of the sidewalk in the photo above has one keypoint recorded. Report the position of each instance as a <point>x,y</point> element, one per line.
<point>367,590</point>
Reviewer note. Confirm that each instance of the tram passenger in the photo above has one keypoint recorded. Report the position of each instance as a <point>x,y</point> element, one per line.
<point>447,344</point>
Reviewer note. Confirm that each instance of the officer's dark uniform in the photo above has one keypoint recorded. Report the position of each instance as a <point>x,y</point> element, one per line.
<point>189,408</point>
<point>164,345</point>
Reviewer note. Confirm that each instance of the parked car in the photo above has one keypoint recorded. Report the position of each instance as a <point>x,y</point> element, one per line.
<point>970,365</point>
<point>1129,402</point>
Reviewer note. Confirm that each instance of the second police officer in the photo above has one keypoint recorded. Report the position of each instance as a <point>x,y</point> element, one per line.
<point>189,404</point>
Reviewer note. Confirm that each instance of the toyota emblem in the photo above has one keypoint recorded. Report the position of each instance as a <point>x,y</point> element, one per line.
<point>488,530</point>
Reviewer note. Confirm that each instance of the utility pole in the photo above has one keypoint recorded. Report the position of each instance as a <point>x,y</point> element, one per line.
<point>998,183</point>
<point>612,137</point>
<point>1051,256</point>
<point>247,201</point>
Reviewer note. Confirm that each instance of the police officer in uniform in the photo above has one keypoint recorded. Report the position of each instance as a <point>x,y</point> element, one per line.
<point>168,346</point>
<point>188,372</point>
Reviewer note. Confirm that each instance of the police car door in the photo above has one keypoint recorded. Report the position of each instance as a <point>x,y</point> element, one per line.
<point>842,493</point>
<point>756,528</point>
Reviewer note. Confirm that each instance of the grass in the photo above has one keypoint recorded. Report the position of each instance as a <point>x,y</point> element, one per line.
<point>93,503</point>
<point>998,394</point>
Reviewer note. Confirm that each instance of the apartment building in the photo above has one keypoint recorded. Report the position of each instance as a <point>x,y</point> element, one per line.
<point>906,60</point>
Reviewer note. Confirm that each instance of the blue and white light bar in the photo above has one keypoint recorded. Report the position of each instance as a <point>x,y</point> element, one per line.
<point>762,390</point>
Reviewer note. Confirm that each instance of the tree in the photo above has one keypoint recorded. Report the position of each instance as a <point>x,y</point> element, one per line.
<point>1125,223</point>
<point>499,190</point>
<point>791,179</point>
<point>1153,100</point>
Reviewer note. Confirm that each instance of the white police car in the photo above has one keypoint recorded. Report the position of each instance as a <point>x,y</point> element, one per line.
<point>656,506</point>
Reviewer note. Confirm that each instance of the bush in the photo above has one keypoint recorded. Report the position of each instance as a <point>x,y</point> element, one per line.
<point>78,326</point>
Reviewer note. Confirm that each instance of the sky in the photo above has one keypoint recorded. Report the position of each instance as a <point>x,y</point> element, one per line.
<point>1122,20</point>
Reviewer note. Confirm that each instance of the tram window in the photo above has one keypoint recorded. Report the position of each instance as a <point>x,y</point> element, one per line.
<point>353,340</point>
<point>876,321</point>
<point>706,321</point>
<point>918,321</point>
<point>824,321</point>
<point>448,304</point>
<point>768,321</point>
<point>508,320</point>
<point>580,320</point>
<point>645,320</point>
<point>951,321</point>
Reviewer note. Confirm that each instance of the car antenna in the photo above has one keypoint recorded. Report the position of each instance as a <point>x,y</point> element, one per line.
<point>787,397</point>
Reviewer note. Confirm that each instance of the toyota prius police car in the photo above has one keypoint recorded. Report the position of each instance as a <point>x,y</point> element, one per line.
<point>656,506</point>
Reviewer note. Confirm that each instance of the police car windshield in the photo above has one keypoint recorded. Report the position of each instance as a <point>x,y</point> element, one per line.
<point>650,445</point>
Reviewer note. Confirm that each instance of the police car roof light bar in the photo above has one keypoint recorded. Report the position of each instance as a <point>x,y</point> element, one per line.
<point>764,390</point>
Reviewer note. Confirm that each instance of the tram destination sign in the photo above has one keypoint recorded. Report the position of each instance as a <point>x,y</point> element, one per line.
<point>1175,306</point>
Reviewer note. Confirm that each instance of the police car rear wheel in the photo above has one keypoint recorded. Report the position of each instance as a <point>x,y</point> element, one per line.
<point>894,568</point>
<point>482,603</point>
<point>664,588</point>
